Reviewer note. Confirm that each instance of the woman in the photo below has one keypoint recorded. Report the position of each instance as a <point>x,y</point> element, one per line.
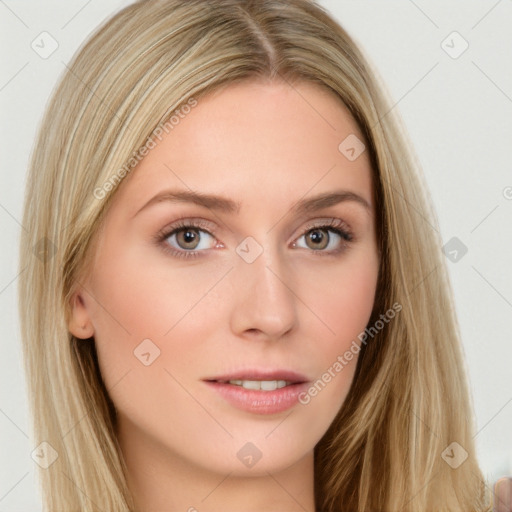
<point>240,301</point>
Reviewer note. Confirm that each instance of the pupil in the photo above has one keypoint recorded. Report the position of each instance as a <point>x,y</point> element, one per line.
<point>189,236</point>
<point>316,236</point>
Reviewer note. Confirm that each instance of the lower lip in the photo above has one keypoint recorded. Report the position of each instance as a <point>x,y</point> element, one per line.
<point>260,402</point>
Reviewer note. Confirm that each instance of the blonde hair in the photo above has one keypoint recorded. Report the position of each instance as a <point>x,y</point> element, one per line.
<point>409,399</point>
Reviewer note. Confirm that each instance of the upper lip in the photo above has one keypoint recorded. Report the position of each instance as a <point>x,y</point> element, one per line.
<point>254,374</point>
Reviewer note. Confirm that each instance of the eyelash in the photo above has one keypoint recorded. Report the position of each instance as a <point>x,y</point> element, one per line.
<point>335,225</point>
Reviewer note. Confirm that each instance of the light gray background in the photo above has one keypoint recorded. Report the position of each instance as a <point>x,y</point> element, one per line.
<point>459,115</point>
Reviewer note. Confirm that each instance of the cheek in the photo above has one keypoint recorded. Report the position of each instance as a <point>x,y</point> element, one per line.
<point>343,299</point>
<point>342,295</point>
<point>349,304</point>
<point>144,292</point>
<point>138,297</point>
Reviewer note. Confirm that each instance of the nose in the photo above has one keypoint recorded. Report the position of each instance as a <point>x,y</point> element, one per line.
<point>264,304</point>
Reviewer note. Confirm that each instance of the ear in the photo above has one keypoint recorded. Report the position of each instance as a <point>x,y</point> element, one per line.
<point>79,324</point>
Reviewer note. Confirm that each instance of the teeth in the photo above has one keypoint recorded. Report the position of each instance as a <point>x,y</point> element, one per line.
<point>251,384</point>
<point>268,385</point>
<point>261,385</point>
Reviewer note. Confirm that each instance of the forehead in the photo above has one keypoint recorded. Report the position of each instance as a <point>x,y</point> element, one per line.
<point>255,136</point>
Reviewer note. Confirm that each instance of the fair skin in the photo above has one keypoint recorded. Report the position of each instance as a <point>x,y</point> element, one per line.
<point>297,306</point>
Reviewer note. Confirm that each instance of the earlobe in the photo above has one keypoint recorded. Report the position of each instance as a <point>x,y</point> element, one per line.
<point>79,324</point>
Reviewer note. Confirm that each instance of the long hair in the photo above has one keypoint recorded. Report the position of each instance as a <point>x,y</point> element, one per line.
<point>389,447</point>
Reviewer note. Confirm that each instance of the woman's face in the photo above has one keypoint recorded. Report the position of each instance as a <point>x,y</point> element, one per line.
<point>269,287</point>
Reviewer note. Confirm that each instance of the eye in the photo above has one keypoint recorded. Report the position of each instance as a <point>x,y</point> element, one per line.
<point>185,238</point>
<point>330,238</point>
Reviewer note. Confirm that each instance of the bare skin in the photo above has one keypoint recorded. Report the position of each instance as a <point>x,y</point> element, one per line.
<point>297,306</point>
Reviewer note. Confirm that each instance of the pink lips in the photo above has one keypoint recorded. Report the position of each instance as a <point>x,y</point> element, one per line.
<point>259,401</point>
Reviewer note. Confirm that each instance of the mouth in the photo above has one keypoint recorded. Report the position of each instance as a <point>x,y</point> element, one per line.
<point>258,385</point>
<point>260,380</point>
<point>260,392</point>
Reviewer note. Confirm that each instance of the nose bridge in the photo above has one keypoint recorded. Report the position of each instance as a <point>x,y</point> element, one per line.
<point>264,300</point>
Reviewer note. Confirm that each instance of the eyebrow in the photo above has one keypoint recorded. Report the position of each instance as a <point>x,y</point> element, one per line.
<point>225,205</point>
